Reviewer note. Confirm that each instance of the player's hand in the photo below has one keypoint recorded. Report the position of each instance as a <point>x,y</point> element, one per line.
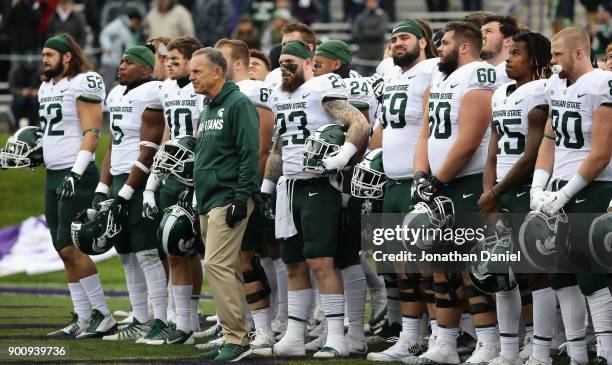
<point>68,188</point>
<point>119,208</point>
<point>149,206</point>
<point>97,199</point>
<point>418,183</point>
<point>334,164</point>
<point>537,197</point>
<point>378,85</point>
<point>554,202</point>
<point>236,212</point>
<point>185,198</point>
<point>487,202</point>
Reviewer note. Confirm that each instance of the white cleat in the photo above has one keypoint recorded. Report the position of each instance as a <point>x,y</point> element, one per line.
<point>127,320</point>
<point>211,345</point>
<point>278,326</point>
<point>132,332</point>
<point>437,353</point>
<point>533,361</point>
<point>74,328</point>
<point>262,342</point>
<point>339,349</point>
<point>400,350</point>
<point>483,354</point>
<point>527,349</point>
<point>99,325</point>
<point>212,331</point>
<point>120,313</point>
<point>288,347</point>
<point>500,360</point>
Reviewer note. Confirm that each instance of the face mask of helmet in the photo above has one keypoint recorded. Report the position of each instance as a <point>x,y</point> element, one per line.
<point>369,178</point>
<point>173,158</point>
<point>23,149</point>
<point>325,143</point>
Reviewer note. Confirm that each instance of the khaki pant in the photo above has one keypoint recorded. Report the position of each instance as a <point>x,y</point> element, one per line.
<point>222,262</point>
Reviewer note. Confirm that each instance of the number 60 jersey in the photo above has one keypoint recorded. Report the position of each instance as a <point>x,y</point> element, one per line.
<point>59,118</point>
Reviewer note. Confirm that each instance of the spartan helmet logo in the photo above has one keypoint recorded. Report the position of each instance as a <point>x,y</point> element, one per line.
<point>185,245</point>
<point>100,244</point>
<point>220,112</point>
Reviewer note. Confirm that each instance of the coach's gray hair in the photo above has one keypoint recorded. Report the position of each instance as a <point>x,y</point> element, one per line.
<point>214,57</point>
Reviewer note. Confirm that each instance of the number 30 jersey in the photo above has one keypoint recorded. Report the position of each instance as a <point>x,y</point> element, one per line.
<point>510,108</point>
<point>445,96</point>
<point>59,118</point>
<point>126,110</point>
<point>182,107</point>
<point>299,114</point>
<point>572,119</point>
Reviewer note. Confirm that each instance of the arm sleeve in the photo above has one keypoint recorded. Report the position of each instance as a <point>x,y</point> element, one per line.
<point>245,128</point>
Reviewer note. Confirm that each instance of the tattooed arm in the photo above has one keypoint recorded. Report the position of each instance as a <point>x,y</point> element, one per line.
<point>353,119</point>
<point>274,165</point>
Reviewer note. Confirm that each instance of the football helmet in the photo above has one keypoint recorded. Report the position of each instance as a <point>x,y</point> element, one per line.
<point>23,149</point>
<point>175,157</point>
<point>325,142</point>
<point>369,176</point>
<point>439,214</point>
<point>93,230</point>
<point>600,240</point>
<point>542,239</point>
<point>177,231</point>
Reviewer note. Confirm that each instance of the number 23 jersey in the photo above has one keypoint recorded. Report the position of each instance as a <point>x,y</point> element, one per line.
<point>299,114</point>
<point>59,117</point>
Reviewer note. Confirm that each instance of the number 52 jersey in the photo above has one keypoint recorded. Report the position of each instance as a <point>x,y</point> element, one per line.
<point>59,118</point>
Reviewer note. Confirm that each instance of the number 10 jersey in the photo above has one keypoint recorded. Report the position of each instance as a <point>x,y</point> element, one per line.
<point>182,107</point>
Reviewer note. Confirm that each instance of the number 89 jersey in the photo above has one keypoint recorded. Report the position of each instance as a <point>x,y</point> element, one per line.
<point>445,96</point>
<point>182,107</point>
<point>572,119</point>
<point>59,118</point>
<point>299,114</point>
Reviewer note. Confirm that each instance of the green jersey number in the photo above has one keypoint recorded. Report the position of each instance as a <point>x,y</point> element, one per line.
<point>176,120</point>
<point>117,132</point>
<point>297,116</point>
<point>576,141</point>
<point>49,127</point>
<point>439,118</point>
<point>516,143</point>
<point>486,75</point>
<point>335,81</point>
<point>356,90</point>
<point>264,94</point>
<point>94,82</point>
<point>397,107</point>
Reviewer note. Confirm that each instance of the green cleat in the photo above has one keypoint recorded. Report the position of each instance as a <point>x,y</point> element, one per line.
<point>176,337</point>
<point>230,352</point>
<point>157,333</point>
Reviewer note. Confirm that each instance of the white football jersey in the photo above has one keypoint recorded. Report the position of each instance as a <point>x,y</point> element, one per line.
<point>500,72</point>
<point>387,67</point>
<point>182,107</point>
<point>256,91</point>
<point>446,94</point>
<point>299,114</point>
<point>572,119</point>
<point>402,117</point>
<point>274,79</point>
<point>59,118</point>
<point>126,118</point>
<point>361,96</point>
<point>354,74</point>
<point>510,108</point>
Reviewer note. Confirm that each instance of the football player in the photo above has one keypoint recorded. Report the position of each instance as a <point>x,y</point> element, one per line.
<point>401,120</point>
<point>497,32</point>
<point>302,105</point>
<point>520,111</point>
<point>259,65</point>
<point>137,123</point>
<point>449,160</point>
<point>578,162</point>
<point>181,107</point>
<point>259,228</point>
<point>70,99</point>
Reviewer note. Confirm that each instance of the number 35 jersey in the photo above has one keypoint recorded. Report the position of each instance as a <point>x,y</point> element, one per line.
<point>299,114</point>
<point>182,107</point>
<point>511,108</point>
<point>126,110</point>
<point>59,118</point>
<point>572,119</point>
<point>445,96</point>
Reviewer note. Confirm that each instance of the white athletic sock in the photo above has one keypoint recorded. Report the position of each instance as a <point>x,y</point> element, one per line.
<point>333,307</point>
<point>355,290</point>
<point>281,277</point>
<point>182,295</point>
<point>171,311</point>
<point>80,301</point>
<point>194,306</point>
<point>448,335</point>
<point>270,271</point>
<point>137,287</point>
<point>424,328</point>
<point>600,304</point>
<point>434,327</point>
<point>411,328</point>
<point>373,280</point>
<point>299,305</point>
<point>95,293</point>
<point>156,282</point>
<point>262,318</point>
<point>508,317</point>
<point>467,324</point>
<point>487,334</point>
<point>573,311</point>
<point>394,313</point>
<point>543,321</point>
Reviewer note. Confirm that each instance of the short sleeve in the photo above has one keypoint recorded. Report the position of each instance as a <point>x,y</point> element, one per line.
<point>539,93</point>
<point>482,77</point>
<point>152,96</point>
<point>331,86</point>
<point>90,87</point>
<point>601,93</point>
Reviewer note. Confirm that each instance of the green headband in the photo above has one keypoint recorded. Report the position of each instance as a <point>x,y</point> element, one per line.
<point>335,50</point>
<point>141,55</point>
<point>408,26</point>
<point>58,43</point>
<point>297,49</point>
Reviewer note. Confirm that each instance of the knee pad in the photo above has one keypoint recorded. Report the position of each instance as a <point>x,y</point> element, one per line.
<point>448,287</point>
<point>427,289</point>
<point>477,308</point>
<point>412,282</point>
<point>257,274</point>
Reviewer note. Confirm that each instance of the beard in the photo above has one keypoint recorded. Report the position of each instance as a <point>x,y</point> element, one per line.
<point>450,63</point>
<point>54,71</point>
<point>487,55</point>
<point>408,58</point>
<point>296,81</point>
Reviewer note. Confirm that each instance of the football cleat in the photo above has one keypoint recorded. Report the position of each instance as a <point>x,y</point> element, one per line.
<point>211,345</point>
<point>211,319</point>
<point>176,337</point>
<point>74,328</point>
<point>175,157</point>
<point>327,352</point>
<point>465,343</point>
<point>437,353</point>
<point>324,143</point>
<point>157,334</point>
<point>212,331</point>
<point>483,354</point>
<point>317,343</point>
<point>262,341</point>
<point>23,149</point>
<point>359,347</point>
<point>534,361</point>
<point>131,332</point>
<point>400,350</point>
<point>122,313</point>
<point>278,326</point>
<point>500,360</point>
<point>388,333</point>
<point>99,325</point>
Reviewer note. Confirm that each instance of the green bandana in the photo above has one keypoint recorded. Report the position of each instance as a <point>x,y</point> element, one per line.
<point>297,49</point>
<point>58,43</point>
<point>408,26</point>
<point>141,55</point>
<point>335,50</point>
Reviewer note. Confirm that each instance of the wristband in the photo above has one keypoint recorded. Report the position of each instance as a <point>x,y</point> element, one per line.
<point>347,151</point>
<point>82,161</point>
<point>102,188</point>
<point>126,192</point>
<point>141,166</point>
<point>268,187</point>
<point>94,130</point>
<point>149,144</point>
<point>576,183</point>
<point>540,179</point>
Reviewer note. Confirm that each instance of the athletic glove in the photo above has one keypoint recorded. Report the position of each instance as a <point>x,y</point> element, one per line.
<point>335,164</point>
<point>149,206</point>
<point>418,183</point>
<point>553,202</point>
<point>236,212</point>
<point>68,188</point>
<point>185,198</point>
<point>119,208</point>
<point>426,191</point>
<point>378,85</point>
